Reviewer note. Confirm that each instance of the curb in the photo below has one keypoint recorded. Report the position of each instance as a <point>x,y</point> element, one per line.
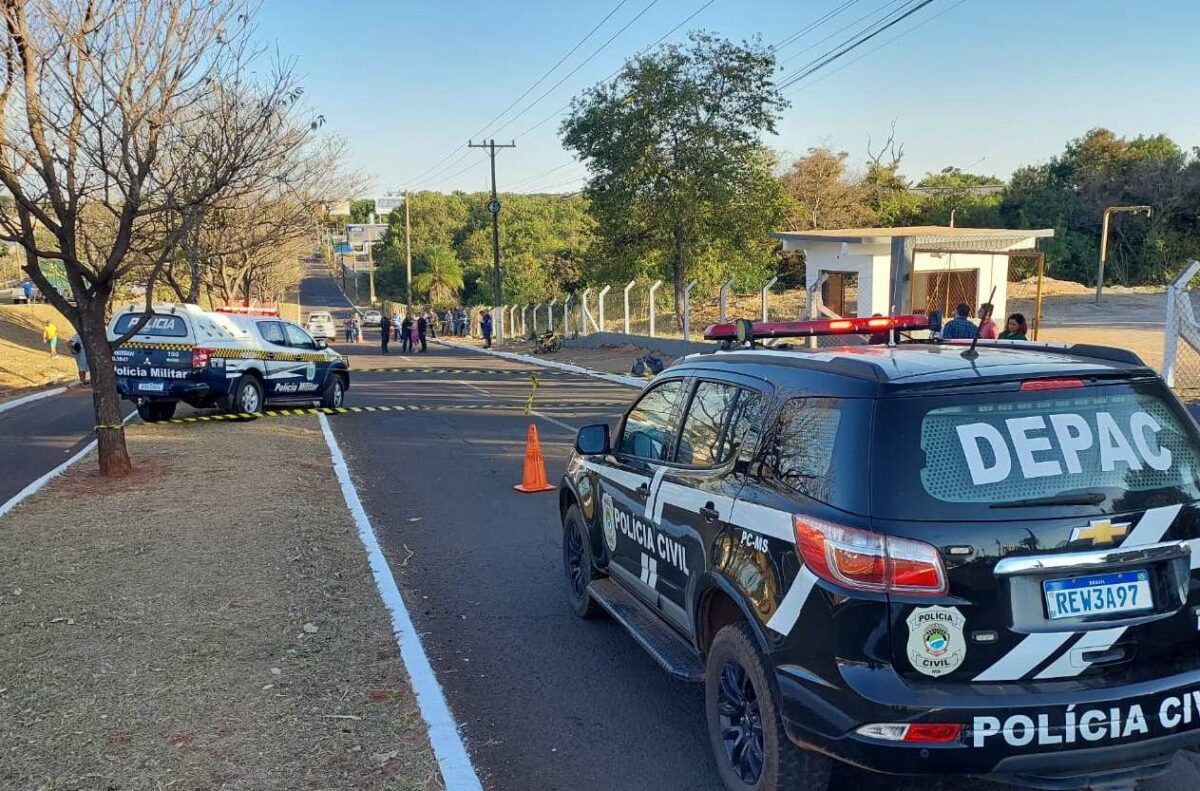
<point>627,381</point>
<point>16,402</point>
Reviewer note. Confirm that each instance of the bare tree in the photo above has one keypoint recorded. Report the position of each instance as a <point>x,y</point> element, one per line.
<point>120,122</point>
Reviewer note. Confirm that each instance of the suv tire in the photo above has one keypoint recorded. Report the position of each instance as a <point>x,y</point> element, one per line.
<point>247,396</point>
<point>739,698</point>
<point>577,564</point>
<point>156,411</point>
<point>334,394</point>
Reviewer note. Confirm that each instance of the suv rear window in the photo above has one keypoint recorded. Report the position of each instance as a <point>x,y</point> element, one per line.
<point>958,456</point>
<point>158,325</point>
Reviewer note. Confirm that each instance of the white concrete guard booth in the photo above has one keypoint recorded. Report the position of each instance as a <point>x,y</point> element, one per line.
<point>912,269</point>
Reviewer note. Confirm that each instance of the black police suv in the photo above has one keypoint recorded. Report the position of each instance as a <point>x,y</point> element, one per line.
<point>916,558</point>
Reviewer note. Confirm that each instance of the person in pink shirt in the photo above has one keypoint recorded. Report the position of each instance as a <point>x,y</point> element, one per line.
<point>987,328</point>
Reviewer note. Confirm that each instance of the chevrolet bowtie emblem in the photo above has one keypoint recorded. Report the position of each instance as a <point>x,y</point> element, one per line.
<point>1100,531</point>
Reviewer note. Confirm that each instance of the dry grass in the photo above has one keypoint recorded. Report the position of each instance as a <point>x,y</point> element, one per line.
<point>208,623</point>
<point>24,360</point>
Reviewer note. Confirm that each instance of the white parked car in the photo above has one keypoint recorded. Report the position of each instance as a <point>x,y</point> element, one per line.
<point>320,325</point>
<point>371,318</point>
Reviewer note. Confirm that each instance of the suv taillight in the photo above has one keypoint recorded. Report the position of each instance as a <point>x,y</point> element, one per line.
<point>200,355</point>
<point>866,561</point>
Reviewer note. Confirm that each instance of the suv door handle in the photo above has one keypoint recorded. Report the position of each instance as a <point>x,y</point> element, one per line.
<point>643,491</point>
<point>709,512</point>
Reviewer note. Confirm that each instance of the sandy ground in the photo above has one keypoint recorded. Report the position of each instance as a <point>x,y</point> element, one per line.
<point>198,627</point>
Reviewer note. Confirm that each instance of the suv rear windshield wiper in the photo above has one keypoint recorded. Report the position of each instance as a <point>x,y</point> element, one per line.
<point>1067,498</point>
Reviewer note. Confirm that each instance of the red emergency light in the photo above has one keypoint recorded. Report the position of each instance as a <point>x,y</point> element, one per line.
<point>250,310</point>
<point>807,329</point>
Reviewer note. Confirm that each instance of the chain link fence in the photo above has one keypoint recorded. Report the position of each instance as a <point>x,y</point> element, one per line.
<point>1181,352</point>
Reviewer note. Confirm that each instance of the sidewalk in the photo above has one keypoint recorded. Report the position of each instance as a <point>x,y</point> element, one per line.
<point>209,622</point>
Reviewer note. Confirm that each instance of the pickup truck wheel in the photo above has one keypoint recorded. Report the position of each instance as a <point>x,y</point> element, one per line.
<point>247,396</point>
<point>577,563</point>
<point>334,394</point>
<point>745,728</point>
<point>156,411</point>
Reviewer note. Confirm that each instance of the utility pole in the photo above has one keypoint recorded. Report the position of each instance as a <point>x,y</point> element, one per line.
<point>494,208</point>
<point>408,254</point>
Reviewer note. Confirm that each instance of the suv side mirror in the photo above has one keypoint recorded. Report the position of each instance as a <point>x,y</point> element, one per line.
<point>320,344</point>
<point>592,440</point>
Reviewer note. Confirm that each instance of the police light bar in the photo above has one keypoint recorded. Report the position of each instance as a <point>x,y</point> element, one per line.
<point>807,329</point>
<point>248,310</point>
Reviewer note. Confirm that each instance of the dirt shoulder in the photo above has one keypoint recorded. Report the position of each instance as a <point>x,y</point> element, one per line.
<point>25,362</point>
<point>609,359</point>
<point>208,623</point>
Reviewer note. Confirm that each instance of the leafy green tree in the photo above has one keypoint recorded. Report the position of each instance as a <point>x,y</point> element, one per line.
<point>678,171</point>
<point>441,276</point>
<point>360,210</point>
<point>1100,169</point>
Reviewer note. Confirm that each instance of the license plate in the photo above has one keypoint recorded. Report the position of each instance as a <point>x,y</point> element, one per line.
<point>1100,594</point>
<point>150,387</point>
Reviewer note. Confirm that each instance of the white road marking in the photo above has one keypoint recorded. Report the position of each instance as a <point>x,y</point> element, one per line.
<point>545,417</point>
<point>458,773</point>
<point>16,402</point>
<point>37,485</point>
<point>628,381</point>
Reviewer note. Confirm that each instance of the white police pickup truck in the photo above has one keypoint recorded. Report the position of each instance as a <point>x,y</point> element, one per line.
<point>235,361</point>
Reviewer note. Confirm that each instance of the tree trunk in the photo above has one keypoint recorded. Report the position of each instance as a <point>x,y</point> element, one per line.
<point>110,429</point>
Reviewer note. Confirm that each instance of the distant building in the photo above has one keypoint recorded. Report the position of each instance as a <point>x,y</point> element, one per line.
<point>913,269</point>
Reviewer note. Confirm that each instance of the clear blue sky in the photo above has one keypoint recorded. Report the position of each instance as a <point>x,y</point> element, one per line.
<point>990,84</point>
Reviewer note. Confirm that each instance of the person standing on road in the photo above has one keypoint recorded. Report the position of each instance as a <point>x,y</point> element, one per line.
<point>81,361</point>
<point>406,335</point>
<point>959,327</point>
<point>396,325</point>
<point>348,329</point>
<point>422,328</point>
<point>385,331</point>
<point>357,322</point>
<point>485,326</point>
<point>50,337</point>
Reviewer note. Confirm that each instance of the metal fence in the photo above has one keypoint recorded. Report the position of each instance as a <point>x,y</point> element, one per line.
<point>1181,353</point>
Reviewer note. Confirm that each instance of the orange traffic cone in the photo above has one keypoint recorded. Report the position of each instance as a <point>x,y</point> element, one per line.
<point>534,479</point>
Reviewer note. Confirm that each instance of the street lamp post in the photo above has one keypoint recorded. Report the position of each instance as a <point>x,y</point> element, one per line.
<point>1111,210</point>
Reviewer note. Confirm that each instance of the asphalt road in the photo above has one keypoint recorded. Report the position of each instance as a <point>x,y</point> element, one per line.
<point>545,701</point>
<point>38,436</point>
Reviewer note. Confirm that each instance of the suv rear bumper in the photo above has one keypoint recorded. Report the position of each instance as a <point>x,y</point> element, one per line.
<point>1052,753</point>
<point>174,390</point>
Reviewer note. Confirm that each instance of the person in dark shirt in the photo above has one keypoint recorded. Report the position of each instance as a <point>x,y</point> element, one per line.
<point>1015,328</point>
<point>422,328</point>
<point>406,335</point>
<point>485,327</point>
<point>959,327</point>
<point>385,331</point>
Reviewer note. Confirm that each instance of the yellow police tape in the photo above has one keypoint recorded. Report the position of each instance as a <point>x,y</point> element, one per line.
<point>501,371</point>
<point>355,410</point>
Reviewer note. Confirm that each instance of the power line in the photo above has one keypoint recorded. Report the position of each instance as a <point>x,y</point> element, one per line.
<point>435,167</point>
<point>849,45</point>
<point>883,10</point>
<point>551,70</point>
<point>455,174</point>
<point>642,51</point>
<point>583,63</point>
<point>788,40</point>
<point>539,176</point>
<point>881,45</point>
